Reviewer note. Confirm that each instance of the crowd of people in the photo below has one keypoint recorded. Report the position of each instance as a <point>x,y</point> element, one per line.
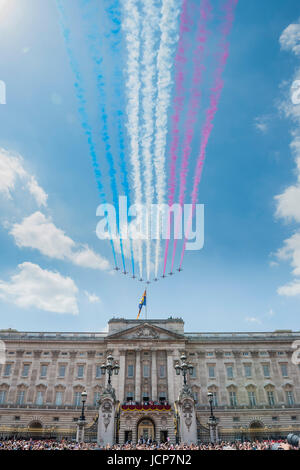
<point>65,445</point>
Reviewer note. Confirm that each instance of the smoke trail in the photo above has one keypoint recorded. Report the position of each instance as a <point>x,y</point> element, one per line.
<point>79,88</point>
<point>132,26</point>
<point>150,21</point>
<point>168,28</point>
<point>114,14</point>
<point>180,62</point>
<point>193,108</point>
<point>93,38</point>
<point>211,111</point>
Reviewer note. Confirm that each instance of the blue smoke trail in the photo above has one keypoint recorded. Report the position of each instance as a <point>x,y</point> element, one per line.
<point>114,14</point>
<point>82,111</point>
<point>94,38</point>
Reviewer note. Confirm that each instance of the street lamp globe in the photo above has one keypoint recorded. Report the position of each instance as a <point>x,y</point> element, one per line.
<point>84,396</point>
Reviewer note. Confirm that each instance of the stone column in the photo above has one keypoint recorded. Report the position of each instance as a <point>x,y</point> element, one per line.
<point>121,385</point>
<point>138,376</point>
<point>154,376</point>
<point>187,415</point>
<point>80,430</point>
<point>106,420</point>
<point>171,397</point>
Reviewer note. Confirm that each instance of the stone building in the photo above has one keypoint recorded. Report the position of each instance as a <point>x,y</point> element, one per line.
<point>254,382</point>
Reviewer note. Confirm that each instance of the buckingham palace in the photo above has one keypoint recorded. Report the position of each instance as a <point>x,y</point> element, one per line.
<point>246,381</point>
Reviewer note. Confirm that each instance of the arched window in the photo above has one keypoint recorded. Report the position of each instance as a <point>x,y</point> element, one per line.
<point>232,394</point>
<point>251,390</point>
<point>270,392</point>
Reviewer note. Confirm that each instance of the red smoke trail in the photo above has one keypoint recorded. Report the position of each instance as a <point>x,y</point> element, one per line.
<point>180,61</point>
<point>210,113</point>
<point>193,108</point>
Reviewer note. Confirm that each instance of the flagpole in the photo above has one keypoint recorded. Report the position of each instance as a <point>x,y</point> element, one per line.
<point>146,311</point>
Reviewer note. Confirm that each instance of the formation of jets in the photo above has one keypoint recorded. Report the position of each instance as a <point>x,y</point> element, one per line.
<point>148,282</point>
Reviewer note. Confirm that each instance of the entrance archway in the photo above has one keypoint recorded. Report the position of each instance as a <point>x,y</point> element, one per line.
<point>256,429</point>
<point>146,429</point>
<point>36,425</point>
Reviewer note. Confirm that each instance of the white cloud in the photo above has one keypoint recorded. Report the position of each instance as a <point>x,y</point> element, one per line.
<point>288,202</point>
<point>37,192</point>
<point>290,38</point>
<point>12,169</point>
<point>262,123</point>
<point>93,298</point>
<point>291,252</point>
<point>253,320</point>
<point>41,289</point>
<point>39,232</point>
<point>290,290</point>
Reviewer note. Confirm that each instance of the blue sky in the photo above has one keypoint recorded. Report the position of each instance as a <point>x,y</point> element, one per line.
<point>54,272</point>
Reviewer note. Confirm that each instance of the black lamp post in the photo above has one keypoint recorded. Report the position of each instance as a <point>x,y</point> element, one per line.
<point>83,399</point>
<point>210,399</point>
<point>183,368</point>
<point>110,367</point>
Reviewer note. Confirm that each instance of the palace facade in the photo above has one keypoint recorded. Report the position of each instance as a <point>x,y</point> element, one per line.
<point>254,382</point>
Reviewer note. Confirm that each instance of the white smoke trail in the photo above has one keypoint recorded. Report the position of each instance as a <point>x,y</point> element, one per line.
<point>169,36</point>
<point>132,26</point>
<point>150,14</point>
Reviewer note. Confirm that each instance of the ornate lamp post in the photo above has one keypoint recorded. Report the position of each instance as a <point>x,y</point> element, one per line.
<point>81,422</point>
<point>212,421</point>
<point>110,367</point>
<point>183,368</point>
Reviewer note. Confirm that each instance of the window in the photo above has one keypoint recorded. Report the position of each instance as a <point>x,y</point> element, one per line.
<point>245,354</point>
<point>195,395</point>
<point>2,397</point>
<point>193,372</point>
<point>77,398</point>
<point>229,371</point>
<point>290,397</point>
<point>162,371</point>
<point>263,353</point>
<point>25,370</point>
<point>294,418</point>
<point>145,395</point>
<point>7,370</point>
<point>21,397</point>
<point>232,398</point>
<point>209,354</point>
<point>130,370</point>
<point>80,372</point>
<point>211,372</point>
<point>280,353</point>
<point>129,396</point>
<point>271,398</point>
<point>62,371</point>
<point>17,418</point>
<point>252,398</point>
<point>274,418</point>
<point>146,370</point>
<point>227,353</point>
<point>266,370</point>
<point>55,418</point>
<point>44,371</point>
<point>284,370</point>
<point>235,419</point>
<point>58,398</point>
<point>247,368</point>
<point>215,399</point>
<point>39,398</point>
<point>96,398</point>
<point>98,372</point>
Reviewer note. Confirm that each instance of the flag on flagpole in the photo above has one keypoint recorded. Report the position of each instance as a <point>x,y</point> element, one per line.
<point>142,302</point>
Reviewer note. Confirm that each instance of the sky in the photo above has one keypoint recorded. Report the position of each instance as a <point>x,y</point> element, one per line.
<point>55,273</point>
